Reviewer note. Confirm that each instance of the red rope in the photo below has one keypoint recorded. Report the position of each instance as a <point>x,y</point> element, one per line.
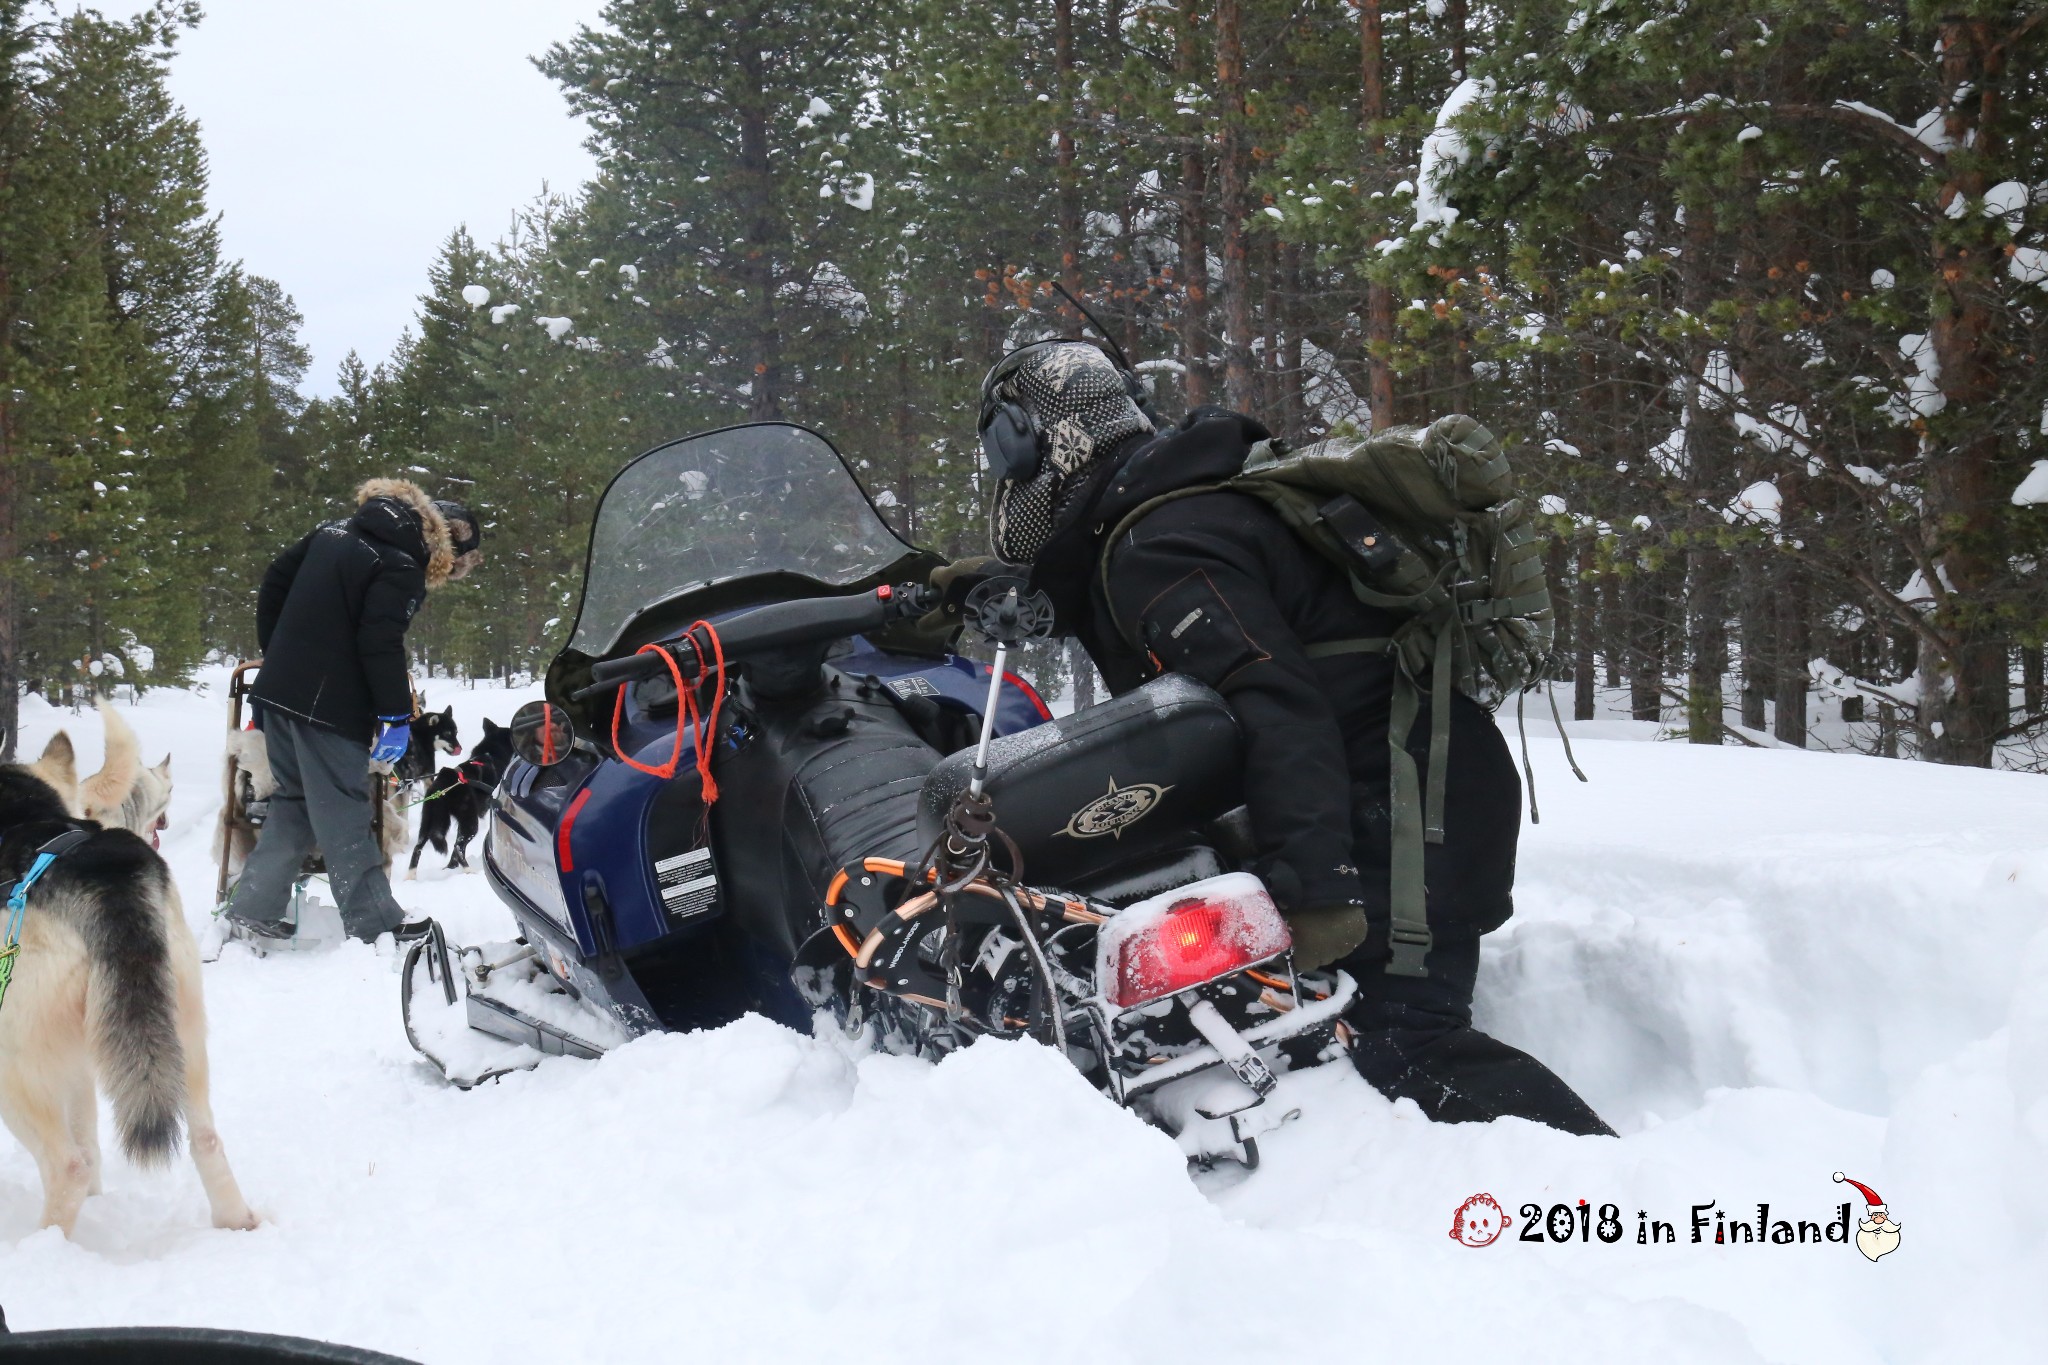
<point>703,730</point>
<point>690,716</point>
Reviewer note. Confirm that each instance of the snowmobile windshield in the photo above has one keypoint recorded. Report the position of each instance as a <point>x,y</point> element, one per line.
<point>767,499</point>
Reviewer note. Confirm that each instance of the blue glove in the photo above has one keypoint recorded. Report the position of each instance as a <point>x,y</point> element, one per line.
<point>394,737</point>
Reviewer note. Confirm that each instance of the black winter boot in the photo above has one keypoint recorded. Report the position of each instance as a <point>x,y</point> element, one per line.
<point>1456,1074</point>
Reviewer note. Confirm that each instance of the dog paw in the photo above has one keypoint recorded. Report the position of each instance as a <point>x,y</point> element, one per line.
<point>245,1221</point>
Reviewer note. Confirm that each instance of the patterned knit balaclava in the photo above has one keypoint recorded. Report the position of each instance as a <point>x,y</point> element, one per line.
<point>1079,401</point>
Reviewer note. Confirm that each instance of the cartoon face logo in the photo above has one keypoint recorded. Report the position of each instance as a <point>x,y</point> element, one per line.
<point>1877,1235</point>
<point>1115,810</point>
<point>1479,1221</point>
<point>1877,1232</point>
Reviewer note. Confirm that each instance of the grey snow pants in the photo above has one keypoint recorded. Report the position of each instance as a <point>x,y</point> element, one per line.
<point>322,801</point>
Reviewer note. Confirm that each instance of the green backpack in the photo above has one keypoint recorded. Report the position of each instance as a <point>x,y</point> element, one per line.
<point>1425,523</point>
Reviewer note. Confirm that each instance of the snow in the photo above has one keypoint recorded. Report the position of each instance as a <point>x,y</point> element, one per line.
<point>504,311</point>
<point>1918,593</point>
<point>1758,503</point>
<point>1923,395</point>
<point>1443,150</point>
<point>2033,489</point>
<point>2028,265</point>
<point>2008,200</point>
<point>475,295</point>
<point>1762,966</point>
<point>557,327</point>
<point>1882,279</point>
<point>1931,130</point>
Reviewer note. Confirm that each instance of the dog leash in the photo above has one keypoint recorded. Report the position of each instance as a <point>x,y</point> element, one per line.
<point>461,780</point>
<point>17,900</point>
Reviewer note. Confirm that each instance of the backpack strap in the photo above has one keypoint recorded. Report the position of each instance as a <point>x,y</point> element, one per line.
<point>1131,519</point>
<point>1418,818</point>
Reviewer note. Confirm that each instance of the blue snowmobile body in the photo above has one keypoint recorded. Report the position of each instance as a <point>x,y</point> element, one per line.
<point>635,892</point>
<point>755,786</point>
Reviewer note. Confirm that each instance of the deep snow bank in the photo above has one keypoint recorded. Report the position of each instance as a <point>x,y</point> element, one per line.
<point>1764,967</point>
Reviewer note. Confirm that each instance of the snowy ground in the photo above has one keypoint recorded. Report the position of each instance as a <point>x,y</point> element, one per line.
<point>1761,966</point>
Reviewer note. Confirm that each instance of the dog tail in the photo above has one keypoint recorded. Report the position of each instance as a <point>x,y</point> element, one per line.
<point>103,794</point>
<point>132,1010</point>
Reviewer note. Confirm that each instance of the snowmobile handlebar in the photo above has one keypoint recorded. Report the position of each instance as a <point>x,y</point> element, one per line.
<point>779,624</point>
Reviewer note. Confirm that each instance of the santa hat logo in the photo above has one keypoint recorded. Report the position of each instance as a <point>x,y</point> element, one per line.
<point>1869,1195</point>
<point>1877,1235</point>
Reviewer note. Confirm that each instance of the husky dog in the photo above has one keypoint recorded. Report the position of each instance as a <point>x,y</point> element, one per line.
<point>433,734</point>
<point>460,796</point>
<point>123,793</point>
<point>250,771</point>
<point>106,988</point>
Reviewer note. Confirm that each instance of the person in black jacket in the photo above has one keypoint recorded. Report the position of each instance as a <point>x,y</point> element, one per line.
<point>334,694</point>
<point>1216,586</point>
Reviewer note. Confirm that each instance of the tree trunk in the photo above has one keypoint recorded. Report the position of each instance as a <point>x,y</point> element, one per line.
<point>1294,307</point>
<point>1646,648</point>
<point>1379,296</point>
<point>1454,20</point>
<point>1706,644</point>
<point>1610,613</point>
<point>765,226</point>
<point>1960,722</point>
<point>1268,359</point>
<point>1194,234</point>
<point>10,620</point>
<point>1759,676</point>
<point>1083,669</point>
<point>1585,700</point>
<point>2032,689</point>
<point>1063,160</point>
<point>906,447</point>
<point>1791,656</point>
<point>1240,381</point>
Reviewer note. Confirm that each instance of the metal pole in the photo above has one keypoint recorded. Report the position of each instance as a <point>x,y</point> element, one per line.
<point>988,720</point>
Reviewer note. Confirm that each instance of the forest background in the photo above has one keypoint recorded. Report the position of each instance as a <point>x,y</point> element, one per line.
<point>1754,289</point>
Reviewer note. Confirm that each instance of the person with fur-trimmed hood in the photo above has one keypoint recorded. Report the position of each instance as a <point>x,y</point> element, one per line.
<point>334,692</point>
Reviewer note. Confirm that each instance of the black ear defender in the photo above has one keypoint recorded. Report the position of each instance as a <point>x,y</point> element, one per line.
<point>1011,443</point>
<point>1009,436</point>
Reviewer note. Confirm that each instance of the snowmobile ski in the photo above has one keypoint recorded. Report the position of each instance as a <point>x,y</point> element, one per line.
<point>487,1021</point>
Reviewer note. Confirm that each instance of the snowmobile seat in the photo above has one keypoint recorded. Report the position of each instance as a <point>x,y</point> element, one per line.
<point>1107,787</point>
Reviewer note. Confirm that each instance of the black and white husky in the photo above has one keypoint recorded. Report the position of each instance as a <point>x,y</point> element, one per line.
<point>105,995</point>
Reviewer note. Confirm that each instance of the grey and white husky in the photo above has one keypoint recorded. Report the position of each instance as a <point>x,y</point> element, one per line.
<point>105,995</point>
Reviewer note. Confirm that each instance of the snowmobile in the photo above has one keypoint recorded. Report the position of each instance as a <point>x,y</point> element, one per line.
<point>758,784</point>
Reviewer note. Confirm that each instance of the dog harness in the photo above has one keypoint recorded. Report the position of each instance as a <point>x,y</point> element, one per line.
<point>17,898</point>
<point>462,779</point>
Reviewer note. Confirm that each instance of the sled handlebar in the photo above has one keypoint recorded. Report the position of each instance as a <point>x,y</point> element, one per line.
<point>809,620</point>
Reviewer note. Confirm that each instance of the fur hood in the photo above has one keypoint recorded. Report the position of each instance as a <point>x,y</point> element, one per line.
<point>434,528</point>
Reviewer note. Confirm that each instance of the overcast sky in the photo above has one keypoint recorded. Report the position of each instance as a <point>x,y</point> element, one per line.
<point>347,137</point>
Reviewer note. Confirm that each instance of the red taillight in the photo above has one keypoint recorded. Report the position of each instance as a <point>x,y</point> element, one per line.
<point>1196,934</point>
<point>564,859</point>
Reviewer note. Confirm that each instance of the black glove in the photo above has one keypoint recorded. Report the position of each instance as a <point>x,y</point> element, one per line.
<point>952,582</point>
<point>1324,934</point>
